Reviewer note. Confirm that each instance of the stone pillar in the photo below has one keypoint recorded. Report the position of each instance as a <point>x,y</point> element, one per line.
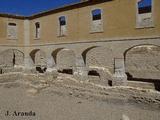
<point>26,33</point>
<point>28,63</point>
<point>80,71</point>
<point>50,63</point>
<point>119,77</point>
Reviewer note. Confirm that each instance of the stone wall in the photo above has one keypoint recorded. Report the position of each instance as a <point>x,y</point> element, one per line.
<point>11,58</point>
<point>96,57</point>
<point>143,62</point>
<point>139,58</point>
<point>66,59</point>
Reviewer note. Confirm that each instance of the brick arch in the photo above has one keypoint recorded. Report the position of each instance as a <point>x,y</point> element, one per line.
<point>65,59</point>
<point>131,47</point>
<point>99,57</point>
<point>143,61</point>
<point>38,57</point>
<point>84,53</point>
<point>11,58</point>
<point>54,54</point>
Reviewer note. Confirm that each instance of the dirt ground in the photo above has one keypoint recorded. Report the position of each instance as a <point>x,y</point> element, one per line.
<point>68,99</point>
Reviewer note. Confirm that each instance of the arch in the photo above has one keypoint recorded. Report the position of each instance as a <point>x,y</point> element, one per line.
<point>32,54</point>
<point>124,54</point>
<point>11,58</point>
<point>54,54</point>
<point>65,59</point>
<point>143,61</point>
<point>84,53</point>
<point>38,57</point>
<point>99,57</point>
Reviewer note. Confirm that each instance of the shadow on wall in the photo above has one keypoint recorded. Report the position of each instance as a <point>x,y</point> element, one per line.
<point>98,75</point>
<point>54,54</point>
<point>84,54</point>
<point>142,63</point>
<point>39,59</point>
<point>156,82</point>
<point>41,69</point>
<point>66,71</point>
<point>33,53</point>
<point>93,73</point>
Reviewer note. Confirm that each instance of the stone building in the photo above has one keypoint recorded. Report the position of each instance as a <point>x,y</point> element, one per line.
<point>115,40</point>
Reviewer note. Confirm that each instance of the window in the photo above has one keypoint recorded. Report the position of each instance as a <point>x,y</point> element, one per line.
<point>62,21</point>
<point>37,30</point>
<point>12,31</point>
<point>144,13</point>
<point>96,25</point>
<point>62,26</point>
<point>96,14</point>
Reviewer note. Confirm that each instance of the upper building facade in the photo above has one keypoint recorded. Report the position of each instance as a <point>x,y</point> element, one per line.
<point>92,20</point>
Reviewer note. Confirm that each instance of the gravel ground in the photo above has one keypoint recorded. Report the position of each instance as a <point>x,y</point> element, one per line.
<point>66,99</point>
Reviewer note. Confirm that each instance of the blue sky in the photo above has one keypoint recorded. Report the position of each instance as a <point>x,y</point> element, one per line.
<point>29,7</point>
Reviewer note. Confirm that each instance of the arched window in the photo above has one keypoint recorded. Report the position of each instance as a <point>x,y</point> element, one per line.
<point>144,13</point>
<point>37,30</point>
<point>96,23</point>
<point>12,30</point>
<point>62,26</point>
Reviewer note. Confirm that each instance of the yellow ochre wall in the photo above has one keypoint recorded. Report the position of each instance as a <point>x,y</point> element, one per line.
<point>3,31</point>
<point>119,21</point>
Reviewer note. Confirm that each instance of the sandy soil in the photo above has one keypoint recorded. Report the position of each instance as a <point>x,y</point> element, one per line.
<point>68,99</point>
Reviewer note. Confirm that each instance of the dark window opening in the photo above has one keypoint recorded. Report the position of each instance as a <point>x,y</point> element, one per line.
<point>96,14</point>
<point>67,71</point>
<point>12,24</point>
<point>62,21</point>
<point>37,25</point>
<point>93,73</point>
<point>144,6</point>
<point>146,9</point>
